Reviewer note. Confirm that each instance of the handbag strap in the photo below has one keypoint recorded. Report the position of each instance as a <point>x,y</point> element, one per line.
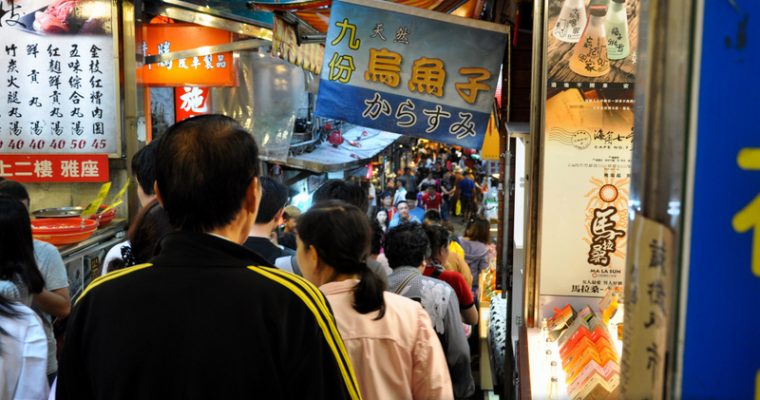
<point>404,284</point>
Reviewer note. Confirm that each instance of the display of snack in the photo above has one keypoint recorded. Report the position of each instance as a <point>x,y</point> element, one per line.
<point>74,17</point>
<point>589,359</point>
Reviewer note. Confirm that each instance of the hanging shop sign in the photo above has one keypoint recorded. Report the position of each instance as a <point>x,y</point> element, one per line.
<point>212,69</point>
<point>722,250</point>
<point>285,45</point>
<point>54,167</point>
<point>58,87</point>
<point>587,146</point>
<point>191,101</point>
<point>410,71</point>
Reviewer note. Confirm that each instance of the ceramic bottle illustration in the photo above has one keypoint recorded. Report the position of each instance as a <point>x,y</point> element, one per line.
<point>616,27</point>
<point>571,21</point>
<point>590,53</point>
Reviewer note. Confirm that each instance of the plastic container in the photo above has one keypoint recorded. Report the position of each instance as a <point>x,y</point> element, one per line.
<point>102,218</point>
<point>62,231</point>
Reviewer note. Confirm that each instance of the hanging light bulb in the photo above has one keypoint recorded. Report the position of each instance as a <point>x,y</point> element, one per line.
<point>571,21</point>
<point>590,53</point>
<point>616,27</point>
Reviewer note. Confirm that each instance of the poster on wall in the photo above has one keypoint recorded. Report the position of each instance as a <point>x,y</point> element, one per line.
<point>58,86</point>
<point>410,71</point>
<point>588,144</point>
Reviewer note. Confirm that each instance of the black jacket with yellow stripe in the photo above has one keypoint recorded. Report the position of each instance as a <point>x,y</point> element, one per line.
<point>206,319</point>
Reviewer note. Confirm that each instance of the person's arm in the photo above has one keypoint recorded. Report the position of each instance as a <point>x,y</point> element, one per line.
<point>470,315</point>
<point>32,382</point>
<point>314,359</point>
<point>54,302</point>
<point>430,374</point>
<point>458,351</point>
<point>54,298</point>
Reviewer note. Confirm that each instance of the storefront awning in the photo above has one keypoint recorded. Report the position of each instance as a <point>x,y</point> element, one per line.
<point>358,147</point>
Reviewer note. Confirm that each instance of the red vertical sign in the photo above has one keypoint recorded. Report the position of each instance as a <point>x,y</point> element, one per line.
<point>191,101</point>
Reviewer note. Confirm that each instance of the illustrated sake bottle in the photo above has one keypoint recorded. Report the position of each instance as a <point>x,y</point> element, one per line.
<point>618,42</point>
<point>590,53</point>
<point>571,21</point>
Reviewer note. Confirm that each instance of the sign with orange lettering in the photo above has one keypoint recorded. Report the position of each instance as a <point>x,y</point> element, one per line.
<point>213,69</point>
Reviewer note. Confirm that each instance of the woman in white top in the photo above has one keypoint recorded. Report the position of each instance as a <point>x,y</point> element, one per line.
<point>395,352</point>
<point>23,353</point>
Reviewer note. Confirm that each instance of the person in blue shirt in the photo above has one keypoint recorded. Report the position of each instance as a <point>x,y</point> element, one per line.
<point>403,215</point>
<point>414,205</point>
<point>467,195</point>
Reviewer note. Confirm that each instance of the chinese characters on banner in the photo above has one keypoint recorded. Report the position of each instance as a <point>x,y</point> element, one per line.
<point>54,167</point>
<point>410,71</point>
<point>203,70</point>
<point>587,146</point>
<point>191,101</point>
<point>647,302</point>
<point>57,91</point>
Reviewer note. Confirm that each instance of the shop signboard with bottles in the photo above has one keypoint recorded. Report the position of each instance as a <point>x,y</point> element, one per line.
<point>587,147</point>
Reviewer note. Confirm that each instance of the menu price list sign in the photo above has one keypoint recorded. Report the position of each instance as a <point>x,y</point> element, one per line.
<point>57,89</point>
<point>54,167</point>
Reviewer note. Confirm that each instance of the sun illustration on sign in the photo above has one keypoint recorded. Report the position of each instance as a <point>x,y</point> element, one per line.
<point>610,191</point>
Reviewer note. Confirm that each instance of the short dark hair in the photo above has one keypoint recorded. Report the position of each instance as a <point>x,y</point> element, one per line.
<point>335,189</point>
<point>14,190</point>
<point>341,234</point>
<point>385,194</point>
<point>432,216</point>
<point>412,195</point>
<point>274,197</point>
<point>402,202</point>
<point>406,245</point>
<point>438,237</point>
<point>144,166</point>
<point>478,229</point>
<point>204,166</point>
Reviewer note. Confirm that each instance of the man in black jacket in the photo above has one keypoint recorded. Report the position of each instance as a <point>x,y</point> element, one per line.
<point>207,318</point>
<point>274,198</point>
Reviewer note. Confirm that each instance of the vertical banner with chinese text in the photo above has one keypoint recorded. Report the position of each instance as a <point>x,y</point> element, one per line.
<point>587,145</point>
<point>58,86</point>
<point>648,296</point>
<point>410,71</point>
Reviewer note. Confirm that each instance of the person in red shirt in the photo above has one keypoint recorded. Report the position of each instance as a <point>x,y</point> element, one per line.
<point>439,246</point>
<point>432,200</point>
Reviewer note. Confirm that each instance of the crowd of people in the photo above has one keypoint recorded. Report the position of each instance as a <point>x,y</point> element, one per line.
<point>224,290</point>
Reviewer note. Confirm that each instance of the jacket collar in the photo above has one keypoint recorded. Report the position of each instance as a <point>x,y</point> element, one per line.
<point>190,249</point>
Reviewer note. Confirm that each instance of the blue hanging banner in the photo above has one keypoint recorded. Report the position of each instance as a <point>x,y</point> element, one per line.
<point>721,357</point>
<point>410,71</point>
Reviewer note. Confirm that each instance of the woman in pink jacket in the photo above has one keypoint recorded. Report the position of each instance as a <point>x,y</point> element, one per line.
<point>390,339</point>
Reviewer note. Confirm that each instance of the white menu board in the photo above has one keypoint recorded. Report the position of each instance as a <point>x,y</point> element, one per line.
<point>58,91</point>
